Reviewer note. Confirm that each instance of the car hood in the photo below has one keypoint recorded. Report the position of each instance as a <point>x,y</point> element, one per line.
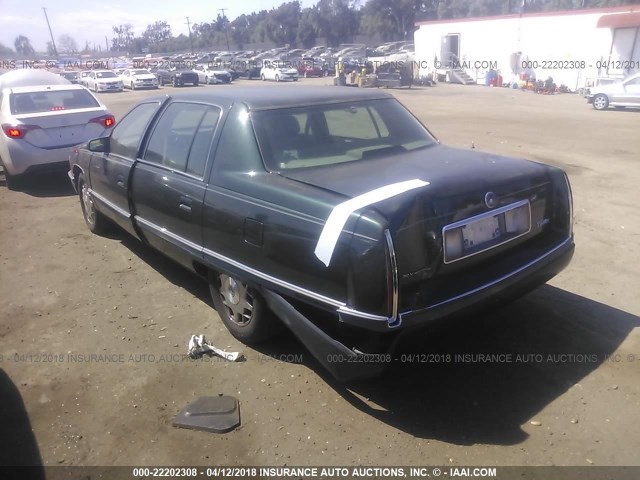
<point>146,76</point>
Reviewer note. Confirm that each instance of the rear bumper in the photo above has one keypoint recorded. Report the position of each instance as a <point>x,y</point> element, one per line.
<point>499,291</point>
<point>25,158</point>
<point>342,362</point>
<point>345,364</point>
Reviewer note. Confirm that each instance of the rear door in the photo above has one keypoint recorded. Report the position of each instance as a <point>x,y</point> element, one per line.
<point>109,173</point>
<point>168,184</point>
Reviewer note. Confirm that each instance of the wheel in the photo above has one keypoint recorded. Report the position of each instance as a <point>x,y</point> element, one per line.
<point>262,77</point>
<point>160,82</point>
<point>133,86</point>
<point>600,102</point>
<point>241,309</point>
<point>249,76</point>
<point>277,78</point>
<point>95,88</point>
<point>174,82</point>
<point>196,83</point>
<point>95,220</point>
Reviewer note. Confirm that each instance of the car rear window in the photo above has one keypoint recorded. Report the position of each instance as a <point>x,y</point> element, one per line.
<point>319,135</point>
<point>51,101</point>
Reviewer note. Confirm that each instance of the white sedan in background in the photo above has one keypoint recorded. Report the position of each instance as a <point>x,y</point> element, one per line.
<point>135,78</point>
<point>278,70</point>
<point>43,117</point>
<point>104,81</point>
<point>624,93</point>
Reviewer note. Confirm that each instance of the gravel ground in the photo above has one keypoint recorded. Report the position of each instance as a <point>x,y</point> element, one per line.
<point>568,396</point>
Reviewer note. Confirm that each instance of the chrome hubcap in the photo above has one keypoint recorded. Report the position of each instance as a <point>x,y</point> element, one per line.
<point>87,203</point>
<point>237,300</point>
<point>599,102</point>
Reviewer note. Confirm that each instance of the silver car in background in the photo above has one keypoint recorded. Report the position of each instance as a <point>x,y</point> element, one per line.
<point>43,117</point>
<point>624,93</point>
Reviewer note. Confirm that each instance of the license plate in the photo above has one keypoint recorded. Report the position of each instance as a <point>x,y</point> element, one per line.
<point>480,233</point>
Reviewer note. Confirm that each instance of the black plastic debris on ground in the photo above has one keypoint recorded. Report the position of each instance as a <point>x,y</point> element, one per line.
<point>219,414</point>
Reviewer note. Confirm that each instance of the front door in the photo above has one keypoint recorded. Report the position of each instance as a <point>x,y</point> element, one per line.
<point>109,172</point>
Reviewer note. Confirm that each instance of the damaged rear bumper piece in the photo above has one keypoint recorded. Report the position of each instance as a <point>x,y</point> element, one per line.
<point>347,364</point>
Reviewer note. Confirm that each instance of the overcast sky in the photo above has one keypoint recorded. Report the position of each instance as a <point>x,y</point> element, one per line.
<point>92,21</point>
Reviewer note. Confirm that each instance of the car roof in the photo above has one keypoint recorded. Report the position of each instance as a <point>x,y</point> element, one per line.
<point>44,88</point>
<point>268,98</point>
<point>29,78</point>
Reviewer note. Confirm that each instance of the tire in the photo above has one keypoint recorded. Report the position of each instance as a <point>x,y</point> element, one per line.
<point>95,88</point>
<point>242,309</point>
<point>95,220</point>
<point>174,82</point>
<point>249,76</point>
<point>160,82</point>
<point>133,87</point>
<point>13,182</point>
<point>600,102</point>
<point>277,78</point>
<point>262,77</point>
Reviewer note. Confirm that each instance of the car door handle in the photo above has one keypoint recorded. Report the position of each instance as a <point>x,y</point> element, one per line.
<point>185,204</point>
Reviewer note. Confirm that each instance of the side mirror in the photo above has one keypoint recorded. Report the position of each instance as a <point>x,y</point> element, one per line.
<point>99,145</point>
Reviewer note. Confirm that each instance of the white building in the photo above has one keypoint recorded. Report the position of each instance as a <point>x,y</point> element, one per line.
<point>574,47</point>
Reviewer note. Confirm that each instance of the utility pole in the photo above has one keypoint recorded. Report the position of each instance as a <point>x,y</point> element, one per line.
<point>53,42</point>
<point>226,33</point>
<point>106,43</point>
<point>190,39</point>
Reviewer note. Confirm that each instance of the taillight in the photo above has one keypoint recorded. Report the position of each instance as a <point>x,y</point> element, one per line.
<point>107,121</point>
<point>17,131</point>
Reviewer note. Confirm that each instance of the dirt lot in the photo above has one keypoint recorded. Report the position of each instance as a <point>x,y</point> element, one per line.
<point>66,293</point>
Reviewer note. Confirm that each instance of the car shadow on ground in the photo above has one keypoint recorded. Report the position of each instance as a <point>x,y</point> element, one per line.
<point>18,446</point>
<point>438,386</point>
<point>55,184</point>
<point>457,396</point>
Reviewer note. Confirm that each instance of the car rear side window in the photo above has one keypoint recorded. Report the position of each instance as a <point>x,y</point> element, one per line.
<point>51,101</point>
<point>182,137</point>
<point>127,134</point>
<point>237,149</point>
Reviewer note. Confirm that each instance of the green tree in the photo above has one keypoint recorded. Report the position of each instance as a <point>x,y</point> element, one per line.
<point>23,46</point>
<point>158,32</point>
<point>67,44</point>
<point>4,50</point>
<point>308,28</point>
<point>337,20</point>
<point>282,23</point>
<point>123,37</point>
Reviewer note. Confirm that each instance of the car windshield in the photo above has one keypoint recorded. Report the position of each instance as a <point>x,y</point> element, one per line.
<point>105,75</point>
<point>322,135</point>
<point>51,101</point>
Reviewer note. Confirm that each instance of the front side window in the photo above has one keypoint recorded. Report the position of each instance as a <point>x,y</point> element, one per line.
<point>319,135</point>
<point>182,137</point>
<point>127,134</point>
